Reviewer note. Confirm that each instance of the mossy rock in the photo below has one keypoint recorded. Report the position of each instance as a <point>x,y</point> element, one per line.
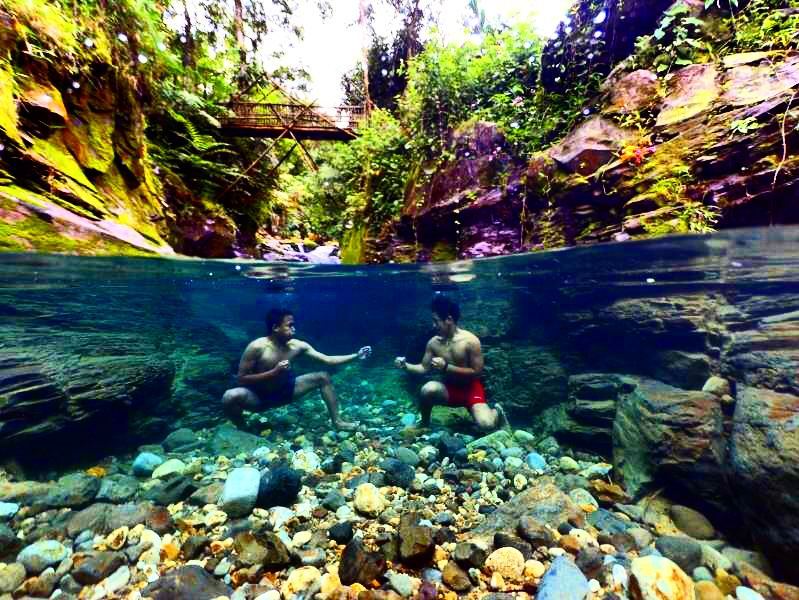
<point>8,105</point>
<point>352,246</point>
<point>54,153</point>
<point>89,136</point>
<point>443,251</point>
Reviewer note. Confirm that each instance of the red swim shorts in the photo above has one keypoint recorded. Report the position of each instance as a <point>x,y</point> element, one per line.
<point>465,395</point>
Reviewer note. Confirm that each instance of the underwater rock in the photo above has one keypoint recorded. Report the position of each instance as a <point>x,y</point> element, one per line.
<point>145,463</point>
<point>507,562</point>
<point>544,501</point>
<point>563,581</point>
<point>398,473</point>
<point>690,421</point>
<point>181,440</point>
<point>691,522</point>
<point>8,510</point>
<point>685,552</point>
<point>416,541</point>
<point>240,492</point>
<point>117,488</point>
<point>369,500</point>
<point>359,565</point>
<point>305,460</point>
<point>535,461</point>
<point>658,578</point>
<point>40,555</point>
<point>169,491</point>
<point>408,456</point>
<point>763,464</point>
<point>92,568</point>
<point>503,540</point>
<point>174,466</point>
<point>229,441</point>
<point>535,532</point>
<point>11,577</point>
<point>302,582</point>
<point>186,583</point>
<point>74,490</point>
<point>262,549</point>
<point>450,445</point>
<point>470,554</point>
<point>279,488</point>
<point>341,533</point>
<point>9,543</point>
<point>456,578</point>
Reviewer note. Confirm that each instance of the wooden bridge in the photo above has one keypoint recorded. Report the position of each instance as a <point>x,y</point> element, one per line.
<point>298,121</point>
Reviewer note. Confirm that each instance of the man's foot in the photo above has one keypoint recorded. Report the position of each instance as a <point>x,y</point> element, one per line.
<point>502,418</point>
<point>346,425</point>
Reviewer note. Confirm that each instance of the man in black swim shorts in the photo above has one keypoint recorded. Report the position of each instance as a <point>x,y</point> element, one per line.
<point>266,378</point>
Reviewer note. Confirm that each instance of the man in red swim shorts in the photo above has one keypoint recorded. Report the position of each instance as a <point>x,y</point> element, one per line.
<point>456,354</point>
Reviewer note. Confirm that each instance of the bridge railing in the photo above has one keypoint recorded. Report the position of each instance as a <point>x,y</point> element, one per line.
<point>270,116</point>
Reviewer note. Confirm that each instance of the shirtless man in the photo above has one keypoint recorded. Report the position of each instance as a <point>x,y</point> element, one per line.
<point>266,378</point>
<point>457,355</point>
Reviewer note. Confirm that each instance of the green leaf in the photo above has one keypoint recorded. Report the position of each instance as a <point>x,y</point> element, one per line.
<point>708,3</point>
<point>659,34</point>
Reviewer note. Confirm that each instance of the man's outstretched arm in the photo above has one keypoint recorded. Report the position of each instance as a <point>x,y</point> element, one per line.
<point>339,359</point>
<point>422,368</point>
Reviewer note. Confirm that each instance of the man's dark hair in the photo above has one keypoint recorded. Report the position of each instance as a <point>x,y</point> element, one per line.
<point>275,317</point>
<point>443,307</point>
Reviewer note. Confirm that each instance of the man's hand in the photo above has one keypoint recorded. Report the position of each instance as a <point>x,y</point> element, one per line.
<point>364,352</point>
<point>438,363</point>
<point>400,362</point>
<point>283,365</point>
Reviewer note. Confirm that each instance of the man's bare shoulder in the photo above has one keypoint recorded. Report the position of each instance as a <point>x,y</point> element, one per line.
<point>295,344</point>
<point>468,337</point>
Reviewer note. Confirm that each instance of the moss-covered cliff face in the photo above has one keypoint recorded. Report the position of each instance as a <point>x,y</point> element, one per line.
<point>692,132</point>
<point>74,169</point>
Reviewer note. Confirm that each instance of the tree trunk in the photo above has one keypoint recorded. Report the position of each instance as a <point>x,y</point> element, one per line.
<point>188,45</point>
<point>363,17</point>
<point>238,27</point>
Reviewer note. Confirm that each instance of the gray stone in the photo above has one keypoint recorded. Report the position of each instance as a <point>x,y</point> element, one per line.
<point>186,583</point>
<point>240,492</point>
<point>92,568</point>
<point>401,583</point>
<point>8,510</point>
<point>408,456</point>
<point>117,488</point>
<point>74,490</point>
<point>145,463</point>
<point>180,439</point>
<point>563,581</point>
<point>11,577</point>
<point>687,553</point>
<point>42,554</point>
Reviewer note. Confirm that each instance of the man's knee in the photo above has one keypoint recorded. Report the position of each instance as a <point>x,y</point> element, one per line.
<point>430,391</point>
<point>321,379</point>
<point>484,417</point>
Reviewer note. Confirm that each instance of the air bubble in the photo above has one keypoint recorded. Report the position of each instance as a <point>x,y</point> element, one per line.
<point>238,267</point>
<point>586,111</point>
<point>161,46</point>
<point>383,72</point>
<point>597,34</point>
<point>88,42</point>
<point>122,38</point>
<point>143,59</point>
<point>183,39</point>
<point>650,280</point>
<point>600,18</point>
<point>75,85</point>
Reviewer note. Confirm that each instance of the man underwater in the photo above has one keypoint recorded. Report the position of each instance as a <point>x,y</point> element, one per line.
<point>456,354</point>
<point>266,377</point>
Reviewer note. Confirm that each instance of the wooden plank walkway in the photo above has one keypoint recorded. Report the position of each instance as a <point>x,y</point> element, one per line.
<point>258,119</point>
